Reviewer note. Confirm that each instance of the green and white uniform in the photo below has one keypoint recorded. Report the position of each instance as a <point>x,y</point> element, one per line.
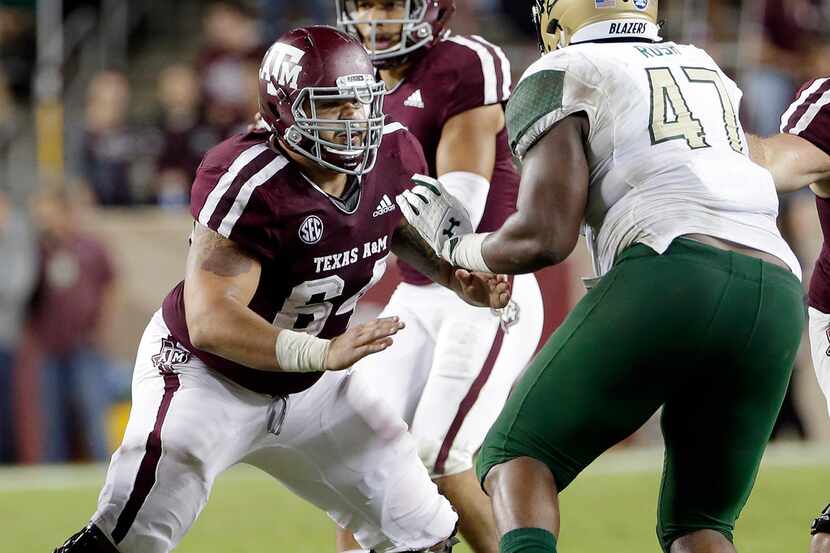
<point>667,153</point>
<point>707,334</point>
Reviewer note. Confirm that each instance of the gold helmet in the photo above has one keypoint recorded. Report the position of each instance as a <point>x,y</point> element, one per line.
<point>561,22</point>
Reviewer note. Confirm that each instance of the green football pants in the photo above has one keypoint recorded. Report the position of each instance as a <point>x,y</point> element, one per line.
<point>707,334</point>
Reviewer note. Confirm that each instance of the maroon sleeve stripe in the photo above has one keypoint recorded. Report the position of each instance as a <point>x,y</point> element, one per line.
<point>808,97</point>
<point>227,179</point>
<point>504,77</point>
<point>231,198</point>
<point>491,93</point>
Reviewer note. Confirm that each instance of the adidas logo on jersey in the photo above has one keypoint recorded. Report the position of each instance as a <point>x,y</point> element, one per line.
<point>415,100</point>
<point>384,207</point>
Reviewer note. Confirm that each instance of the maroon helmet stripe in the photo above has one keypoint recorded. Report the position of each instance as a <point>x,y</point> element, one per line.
<point>145,479</point>
<point>468,401</point>
<point>805,105</point>
<point>229,197</point>
<point>496,62</point>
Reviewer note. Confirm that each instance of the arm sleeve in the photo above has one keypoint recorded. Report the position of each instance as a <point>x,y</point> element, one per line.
<point>553,88</point>
<point>232,204</point>
<point>410,154</point>
<point>809,115</point>
<point>479,76</point>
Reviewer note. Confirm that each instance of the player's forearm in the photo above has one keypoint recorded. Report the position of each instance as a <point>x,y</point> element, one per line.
<point>408,245</point>
<point>521,246</point>
<point>226,328</point>
<point>793,162</point>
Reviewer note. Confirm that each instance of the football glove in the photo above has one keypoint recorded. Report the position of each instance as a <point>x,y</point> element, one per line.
<point>435,213</point>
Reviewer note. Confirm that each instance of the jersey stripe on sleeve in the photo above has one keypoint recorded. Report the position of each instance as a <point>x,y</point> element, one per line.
<point>226,181</point>
<point>802,112</point>
<point>488,67</point>
<point>506,77</point>
<point>244,195</point>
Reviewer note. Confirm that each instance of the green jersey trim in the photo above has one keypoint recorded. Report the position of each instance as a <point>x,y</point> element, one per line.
<point>536,96</point>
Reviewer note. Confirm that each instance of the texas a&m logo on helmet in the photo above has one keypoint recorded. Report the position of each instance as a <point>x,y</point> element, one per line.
<point>281,66</point>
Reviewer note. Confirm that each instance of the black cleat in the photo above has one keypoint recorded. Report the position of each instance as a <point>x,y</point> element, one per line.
<point>89,540</point>
<point>822,524</point>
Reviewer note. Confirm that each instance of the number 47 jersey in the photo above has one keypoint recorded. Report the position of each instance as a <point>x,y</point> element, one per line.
<point>666,151</point>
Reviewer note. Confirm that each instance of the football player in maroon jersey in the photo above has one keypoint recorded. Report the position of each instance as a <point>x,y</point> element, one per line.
<point>457,363</point>
<point>797,158</point>
<point>245,361</point>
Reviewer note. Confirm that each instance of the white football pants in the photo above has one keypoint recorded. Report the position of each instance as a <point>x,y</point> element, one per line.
<point>450,370</point>
<point>332,444</point>
<point>820,349</point>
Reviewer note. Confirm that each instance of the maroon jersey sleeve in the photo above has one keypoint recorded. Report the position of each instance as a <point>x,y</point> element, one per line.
<point>405,157</point>
<point>809,116</point>
<point>228,196</point>
<point>477,74</point>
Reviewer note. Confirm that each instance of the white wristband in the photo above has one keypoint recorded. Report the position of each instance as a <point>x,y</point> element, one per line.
<point>466,252</point>
<point>298,352</point>
<point>470,189</point>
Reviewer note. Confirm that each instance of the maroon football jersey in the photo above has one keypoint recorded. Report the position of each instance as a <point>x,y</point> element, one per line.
<point>319,254</point>
<point>456,75</point>
<point>809,118</point>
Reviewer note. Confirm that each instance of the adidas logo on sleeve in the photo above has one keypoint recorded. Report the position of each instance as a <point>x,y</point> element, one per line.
<point>385,206</point>
<point>415,100</point>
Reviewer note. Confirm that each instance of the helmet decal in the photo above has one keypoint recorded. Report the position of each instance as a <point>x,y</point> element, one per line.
<point>319,96</point>
<point>281,67</point>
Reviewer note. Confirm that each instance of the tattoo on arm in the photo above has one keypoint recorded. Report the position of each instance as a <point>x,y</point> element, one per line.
<point>408,245</point>
<point>218,255</point>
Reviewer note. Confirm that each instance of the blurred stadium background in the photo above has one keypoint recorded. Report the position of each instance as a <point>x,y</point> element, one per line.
<point>106,107</point>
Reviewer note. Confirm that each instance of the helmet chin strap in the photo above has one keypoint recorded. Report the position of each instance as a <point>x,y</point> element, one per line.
<point>617,28</point>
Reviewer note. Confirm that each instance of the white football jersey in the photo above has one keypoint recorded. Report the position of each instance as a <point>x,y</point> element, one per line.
<point>666,150</point>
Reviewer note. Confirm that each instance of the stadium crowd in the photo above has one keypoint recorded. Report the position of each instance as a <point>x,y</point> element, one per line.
<point>144,133</point>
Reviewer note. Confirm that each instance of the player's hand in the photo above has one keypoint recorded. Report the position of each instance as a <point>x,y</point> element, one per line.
<point>436,214</point>
<point>360,341</point>
<point>481,289</point>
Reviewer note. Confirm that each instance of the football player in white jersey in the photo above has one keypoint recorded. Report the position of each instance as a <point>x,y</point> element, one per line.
<point>697,306</point>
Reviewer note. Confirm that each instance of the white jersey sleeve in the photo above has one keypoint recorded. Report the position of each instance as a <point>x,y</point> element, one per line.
<point>551,89</point>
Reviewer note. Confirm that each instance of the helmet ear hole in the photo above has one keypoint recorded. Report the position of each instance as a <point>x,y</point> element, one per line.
<point>553,26</point>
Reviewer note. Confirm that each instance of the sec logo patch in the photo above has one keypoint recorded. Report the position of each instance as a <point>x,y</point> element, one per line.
<point>641,4</point>
<point>311,231</point>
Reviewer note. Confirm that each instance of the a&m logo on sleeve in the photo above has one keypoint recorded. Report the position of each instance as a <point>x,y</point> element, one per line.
<point>311,230</point>
<point>641,4</point>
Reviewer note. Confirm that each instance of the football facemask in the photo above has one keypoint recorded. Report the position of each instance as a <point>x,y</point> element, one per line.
<point>353,144</point>
<point>415,32</point>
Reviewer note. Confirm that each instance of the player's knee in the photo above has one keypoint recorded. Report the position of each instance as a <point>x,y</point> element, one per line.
<point>89,540</point>
<point>701,541</point>
<point>820,530</point>
<point>820,543</point>
<point>375,410</point>
<point>442,460</point>
<point>186,450</point>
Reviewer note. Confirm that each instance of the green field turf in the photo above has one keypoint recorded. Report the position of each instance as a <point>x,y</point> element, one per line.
<point>609,509</point>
